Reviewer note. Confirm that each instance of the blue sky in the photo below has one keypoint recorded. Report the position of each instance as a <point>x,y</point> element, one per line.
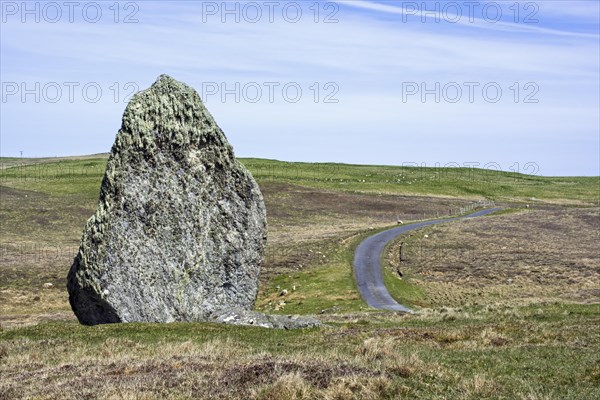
<point>383,63</point>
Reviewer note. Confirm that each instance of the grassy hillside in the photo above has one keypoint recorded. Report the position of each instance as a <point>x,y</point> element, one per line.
<point>476,335</point>
<point>81,175</point>
<point>458,182</point>
<point>535,352</point>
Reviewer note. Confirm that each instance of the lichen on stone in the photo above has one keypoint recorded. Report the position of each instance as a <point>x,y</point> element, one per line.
<point>180,227</point>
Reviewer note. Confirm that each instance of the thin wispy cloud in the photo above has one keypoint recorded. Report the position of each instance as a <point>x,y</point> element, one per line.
<point>461,19</point>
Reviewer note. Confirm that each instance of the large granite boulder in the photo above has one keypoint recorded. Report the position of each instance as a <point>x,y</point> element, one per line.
<point>180,229</point>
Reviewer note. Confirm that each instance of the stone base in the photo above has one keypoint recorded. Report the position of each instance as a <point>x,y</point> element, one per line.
<point>254,318</point>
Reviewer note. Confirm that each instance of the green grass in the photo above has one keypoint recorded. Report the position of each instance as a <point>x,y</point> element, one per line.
<point>402,290</point>
<point>541,351</point>
<point>155,333</point>
<point>458,182</point>
<point>544,351</point>
<point>507,211</point>
<point>70,187</point>
<point>83,176</point>
<point>79,178</point>
<point>330,287</point>
<point>327,285</point>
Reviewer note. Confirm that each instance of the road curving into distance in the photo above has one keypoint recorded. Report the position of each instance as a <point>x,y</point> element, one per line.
<point>367,262</point>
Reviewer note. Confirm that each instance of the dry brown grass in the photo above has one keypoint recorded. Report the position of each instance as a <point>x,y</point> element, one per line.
<point>123,368</point>
<point>473,355</point>
<point>495,350</point>
<point>40,235</point>
<point>532,256</point>
<point>306,222</point>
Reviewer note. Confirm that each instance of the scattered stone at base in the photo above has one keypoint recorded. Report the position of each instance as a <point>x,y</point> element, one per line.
<point>254,318</point>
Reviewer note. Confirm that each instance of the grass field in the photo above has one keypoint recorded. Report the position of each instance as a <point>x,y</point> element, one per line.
<point>80,173</point>
<point>536,352</point>
<point>507,305</point>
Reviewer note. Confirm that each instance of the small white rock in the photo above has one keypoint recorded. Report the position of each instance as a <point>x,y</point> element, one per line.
<point>105,292</point>
<point>47,285</point>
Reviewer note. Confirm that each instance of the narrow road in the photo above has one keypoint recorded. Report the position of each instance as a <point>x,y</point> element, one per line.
<point>367,263</point>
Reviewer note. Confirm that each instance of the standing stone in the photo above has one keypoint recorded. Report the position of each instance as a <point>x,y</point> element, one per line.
<point>180,229</point>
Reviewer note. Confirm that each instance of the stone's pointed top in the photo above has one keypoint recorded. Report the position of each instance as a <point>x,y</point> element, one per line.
<point>164,78</point>
<point>165,81</point>
<point>169,114</point>
<point>167,85</point>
